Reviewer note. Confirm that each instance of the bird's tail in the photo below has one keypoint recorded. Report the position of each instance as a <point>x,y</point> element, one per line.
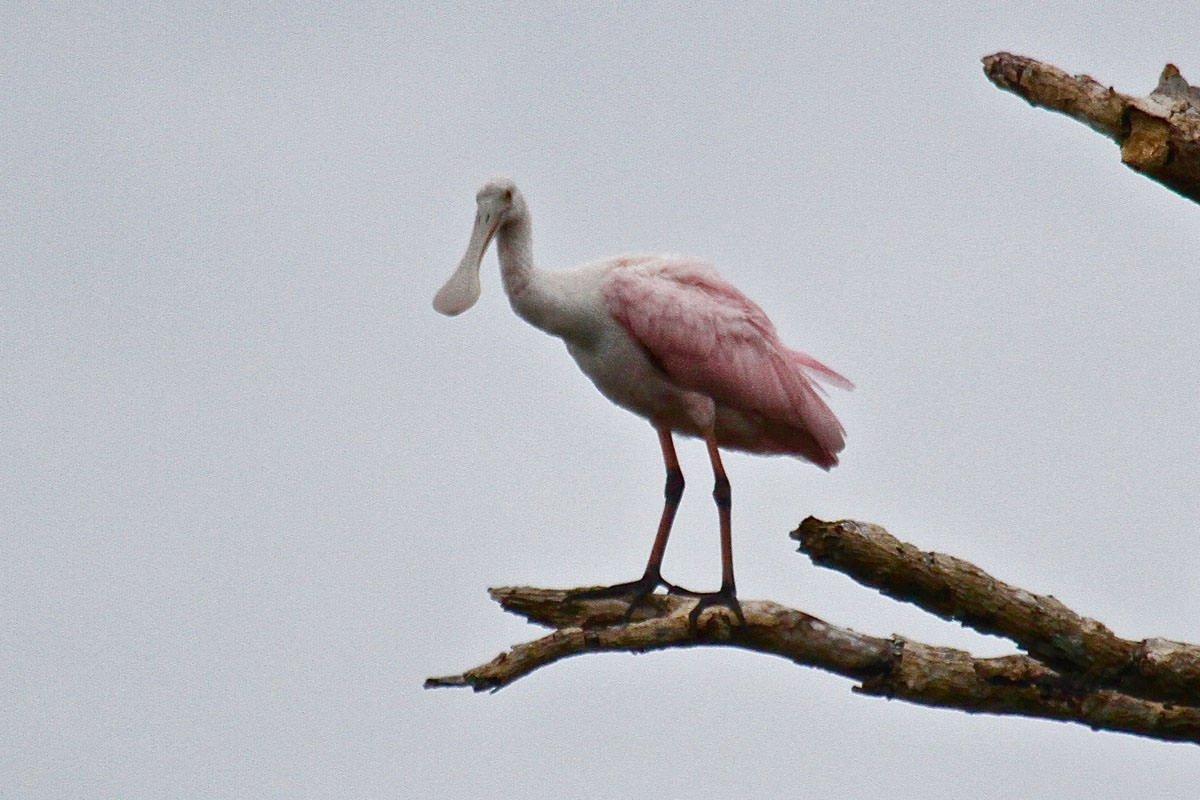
<point>815,369</point>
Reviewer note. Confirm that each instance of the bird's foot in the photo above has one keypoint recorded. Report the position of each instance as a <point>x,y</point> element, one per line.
<point>725,596</point>
<point>636,592</point>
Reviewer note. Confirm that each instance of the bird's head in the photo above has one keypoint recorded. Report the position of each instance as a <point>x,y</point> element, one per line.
<point>500,198</point>
<point>499,203</point>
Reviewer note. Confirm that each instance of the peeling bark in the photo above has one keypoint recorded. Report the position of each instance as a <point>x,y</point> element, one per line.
<point>1159,134</point>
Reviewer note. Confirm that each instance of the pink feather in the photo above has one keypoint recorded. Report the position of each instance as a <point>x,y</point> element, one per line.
<point>710,338</point>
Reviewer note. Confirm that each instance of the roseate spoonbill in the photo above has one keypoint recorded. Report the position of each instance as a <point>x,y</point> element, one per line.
<point>666,338</point>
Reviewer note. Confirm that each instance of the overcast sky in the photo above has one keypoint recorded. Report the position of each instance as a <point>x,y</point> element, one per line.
<point>254,487</point>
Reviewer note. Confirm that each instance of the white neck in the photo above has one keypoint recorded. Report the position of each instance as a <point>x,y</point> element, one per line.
<point>514,246</point>
<point>530,292</point>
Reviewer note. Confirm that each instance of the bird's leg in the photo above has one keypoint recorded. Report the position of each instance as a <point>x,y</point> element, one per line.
<point>672,494</point>
<point>651,579</point>
<point>727,594</point>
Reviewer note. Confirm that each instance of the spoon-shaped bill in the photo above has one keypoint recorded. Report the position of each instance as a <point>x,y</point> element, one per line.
<point>462,290</point>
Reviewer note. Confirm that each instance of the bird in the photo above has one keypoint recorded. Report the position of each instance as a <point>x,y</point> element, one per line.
<point>663,336</point>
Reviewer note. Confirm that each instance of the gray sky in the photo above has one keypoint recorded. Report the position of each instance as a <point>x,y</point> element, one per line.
<point>255,487</point>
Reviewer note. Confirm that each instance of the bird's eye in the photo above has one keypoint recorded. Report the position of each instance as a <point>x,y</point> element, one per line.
<point>508,195</point>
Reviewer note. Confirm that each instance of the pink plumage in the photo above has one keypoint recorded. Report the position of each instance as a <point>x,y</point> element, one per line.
<point>709,338</point>
<point>666,338</point>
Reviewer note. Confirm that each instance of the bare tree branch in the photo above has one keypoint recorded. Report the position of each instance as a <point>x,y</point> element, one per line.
<point>1153,669</point>
<point>894,667</point>
<point>1159,134</point>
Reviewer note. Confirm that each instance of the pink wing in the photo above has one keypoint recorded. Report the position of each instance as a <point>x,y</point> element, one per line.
<point>710,338</point>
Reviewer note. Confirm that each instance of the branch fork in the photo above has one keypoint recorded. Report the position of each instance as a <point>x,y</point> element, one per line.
<point>1074,669</point>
